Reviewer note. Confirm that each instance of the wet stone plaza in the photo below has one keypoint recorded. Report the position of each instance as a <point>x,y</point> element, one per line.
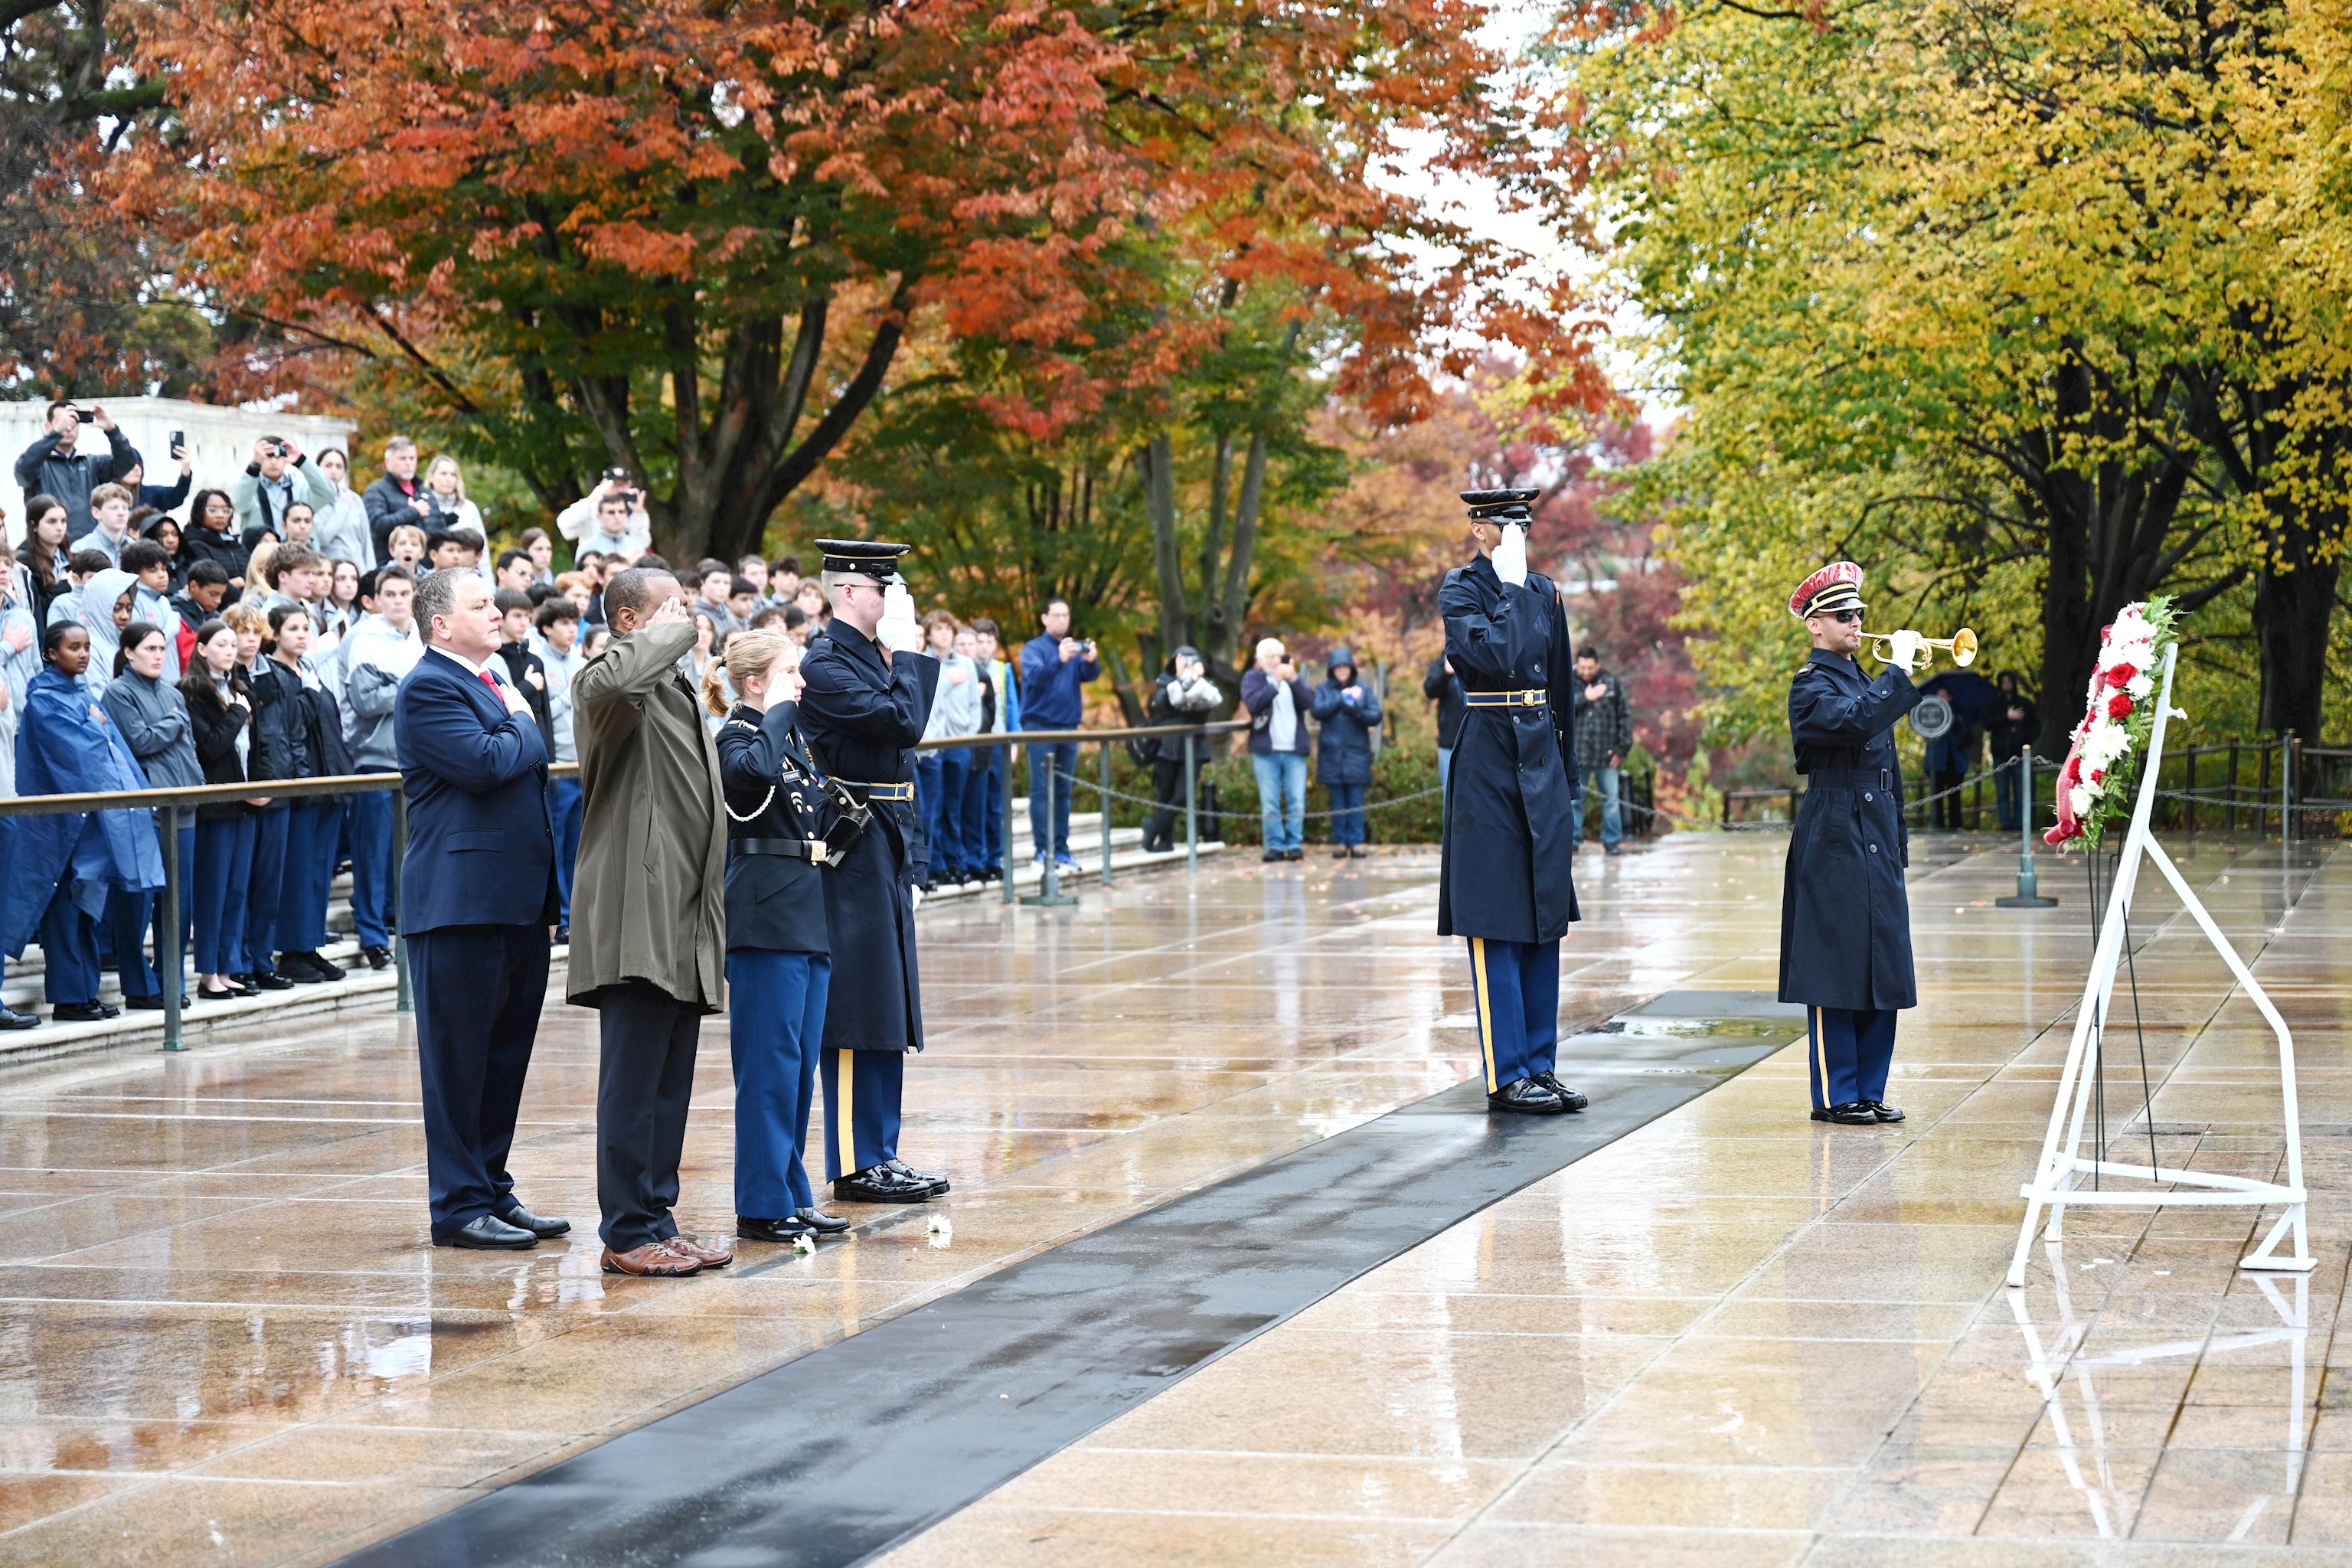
<point>1236,1269</point>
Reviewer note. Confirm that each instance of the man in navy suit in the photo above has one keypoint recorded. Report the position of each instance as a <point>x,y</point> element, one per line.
<point>478,906</point>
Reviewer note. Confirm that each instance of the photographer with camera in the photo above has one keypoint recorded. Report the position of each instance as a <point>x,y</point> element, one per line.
<point>56,465</point>
<point>1278,702</point>
<point>609,520</point>
<point>278,475</point>
<point>1055,670</point>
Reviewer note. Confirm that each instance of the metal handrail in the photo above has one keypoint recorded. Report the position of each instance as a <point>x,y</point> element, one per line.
<point>1079,737</point>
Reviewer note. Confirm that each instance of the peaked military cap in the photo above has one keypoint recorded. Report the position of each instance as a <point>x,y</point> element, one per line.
<point>1836,586</point>
<point>1499,506</point>
<point>872,558</point>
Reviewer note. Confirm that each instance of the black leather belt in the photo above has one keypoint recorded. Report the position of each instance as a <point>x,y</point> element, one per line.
<point>879,791</point>
<point>809,850</point>
<point>1852,778</point>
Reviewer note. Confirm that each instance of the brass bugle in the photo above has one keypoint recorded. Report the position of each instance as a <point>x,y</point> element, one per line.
<point>1961,645</point>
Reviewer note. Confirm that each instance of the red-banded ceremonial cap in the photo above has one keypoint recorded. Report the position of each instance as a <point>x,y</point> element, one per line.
<point>1836,586</point>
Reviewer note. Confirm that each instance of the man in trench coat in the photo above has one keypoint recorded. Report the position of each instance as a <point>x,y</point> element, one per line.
<point>649,912</point>
<point>1504,880</point>
<point>1845,920</point>
<point>866,697</point>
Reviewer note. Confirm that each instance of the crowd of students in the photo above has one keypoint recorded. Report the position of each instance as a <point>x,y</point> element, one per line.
<point>260,637</point>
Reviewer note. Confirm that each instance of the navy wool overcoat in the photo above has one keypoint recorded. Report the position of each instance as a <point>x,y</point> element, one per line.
<point>1507,855</point>
<point>1845,920</point>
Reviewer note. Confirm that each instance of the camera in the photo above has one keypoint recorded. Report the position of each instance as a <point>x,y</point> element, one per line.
<point>278,448</point>
<point>1090,647</point>
<point>616,475</point>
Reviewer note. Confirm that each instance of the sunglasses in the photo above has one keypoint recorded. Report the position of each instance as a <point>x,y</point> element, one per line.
<point>1843,618</point>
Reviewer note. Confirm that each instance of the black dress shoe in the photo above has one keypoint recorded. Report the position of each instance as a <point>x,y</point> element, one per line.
<point>270,980</point>
<point>1885,1113</point>
<point>1272,854</point>
<point>1528,1096</point>
<point>151,1003</point>
<point>522,1218</point>
<point>228,993</point>
<point>489,1234</point>
<point>1294,854</point>
<point>931,1179</point>
<point>308,968</point>
<point>821,1222</point>
<point>12,1019</point>
<point>564,935</point>
<point>879,1185</point>
<point>377,956</point>
<point>83,1012</point>
<point>1568,1096</point>
<point>1853,1113</point>
<point>783,1231</point>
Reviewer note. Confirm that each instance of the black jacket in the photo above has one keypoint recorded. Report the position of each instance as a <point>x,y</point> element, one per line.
<point>218,725</point>
<point>520,661</point>
<point>198,542</point>
<point>2011,737</point>
<point>1443,687</point>
<point>1845,917</point>
<point>389,506</point>
<point>302,726</point>
<point>40,471</point>
<point>776,903</point>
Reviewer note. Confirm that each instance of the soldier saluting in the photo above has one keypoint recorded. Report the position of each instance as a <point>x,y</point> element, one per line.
<point>1505,883</point>
<point>1846,919</point>
<point>868,695</point>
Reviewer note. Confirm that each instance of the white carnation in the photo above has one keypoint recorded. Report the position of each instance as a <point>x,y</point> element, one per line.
<point>2078,800</point>
<point>2140,686</point>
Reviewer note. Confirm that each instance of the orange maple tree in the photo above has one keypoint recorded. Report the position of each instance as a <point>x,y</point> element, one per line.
<point>687,237</point>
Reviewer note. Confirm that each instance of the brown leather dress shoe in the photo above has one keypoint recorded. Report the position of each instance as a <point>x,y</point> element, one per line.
<point>708,1256</point>
<point>654,1260</point>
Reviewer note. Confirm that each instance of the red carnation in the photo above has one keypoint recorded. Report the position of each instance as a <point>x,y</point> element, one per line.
<point>2121,675</point>
<point>2098,776</point>
<point>2119,706</point>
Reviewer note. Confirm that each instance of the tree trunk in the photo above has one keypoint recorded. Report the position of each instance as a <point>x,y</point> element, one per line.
<point>1158,462</point>
<point>1228,605</point>
<point>2294,597</point>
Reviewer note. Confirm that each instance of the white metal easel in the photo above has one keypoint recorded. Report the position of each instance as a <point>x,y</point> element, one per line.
<point>2062,1161</point>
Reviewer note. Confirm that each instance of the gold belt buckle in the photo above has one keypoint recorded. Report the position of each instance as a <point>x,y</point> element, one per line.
<point>1531,699</point>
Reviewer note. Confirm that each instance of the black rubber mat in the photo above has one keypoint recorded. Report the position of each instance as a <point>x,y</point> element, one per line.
<point>844,1452</point>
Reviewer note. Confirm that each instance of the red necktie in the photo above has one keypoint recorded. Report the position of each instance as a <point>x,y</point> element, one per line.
<point>493,684</point>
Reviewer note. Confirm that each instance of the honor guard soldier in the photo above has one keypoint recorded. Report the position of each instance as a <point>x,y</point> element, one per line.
<point>866,697</point>
<point>1845,920</point>
<point>1504,881</point>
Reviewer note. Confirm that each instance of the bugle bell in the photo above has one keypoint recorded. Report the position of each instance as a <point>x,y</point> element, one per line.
<point>1961,645</point>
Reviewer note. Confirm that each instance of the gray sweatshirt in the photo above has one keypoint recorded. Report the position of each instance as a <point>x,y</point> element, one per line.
<point>153,717</point>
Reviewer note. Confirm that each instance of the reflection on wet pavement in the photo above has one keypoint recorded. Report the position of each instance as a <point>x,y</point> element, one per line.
<point>225,1339</point>
<point>1737,1336</point>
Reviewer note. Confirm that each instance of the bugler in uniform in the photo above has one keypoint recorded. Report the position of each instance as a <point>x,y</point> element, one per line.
<point>1845,920</point>
<point>1504,884</point>
<point>861,710</point>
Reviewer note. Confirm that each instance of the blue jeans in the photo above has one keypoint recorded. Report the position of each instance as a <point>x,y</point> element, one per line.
<point>1347,813</point>
<point>939,792</point>
<point>1613,825</point>
<point>1281,797</point>
<point>981,846</point>
<point>2005,794</point>
<point>988,784</point>
<point>1064,755</point>
<point>564,807</point>
<point>371,867</point>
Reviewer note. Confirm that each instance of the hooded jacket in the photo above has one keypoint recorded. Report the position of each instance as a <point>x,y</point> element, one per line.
<point>67,746</point>
<point>1343,748</point>
<point>375,661</point>
<point>95,611</point>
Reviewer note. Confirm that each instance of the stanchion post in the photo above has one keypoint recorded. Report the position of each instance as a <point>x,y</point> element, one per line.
<point>168,956</point>
<point>1010,893</point>
<point>1049,883</point>
<point>2290,764</point>
<point>2029,895</point>
<point>404,1000</point>
<point>1191,813</point>
<point>1105,814</point>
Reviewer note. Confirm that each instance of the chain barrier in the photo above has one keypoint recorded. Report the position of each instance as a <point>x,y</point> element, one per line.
<point>1178,806</point>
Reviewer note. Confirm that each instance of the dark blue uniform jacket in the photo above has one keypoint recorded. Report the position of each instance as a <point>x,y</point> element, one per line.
<point>1845,920</point>
<point>1507,853</point>
<point>774,903</point>
<point>859,716</point>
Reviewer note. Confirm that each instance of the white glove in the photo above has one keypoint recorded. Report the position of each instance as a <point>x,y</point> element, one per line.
<point>1511,555</point>
<point>1903,648</point>
<point>915,898</point>
<point>897,629</point>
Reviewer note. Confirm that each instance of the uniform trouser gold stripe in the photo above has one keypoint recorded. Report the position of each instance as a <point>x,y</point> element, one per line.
<point>845,1073</point>
<point>1485,1009</point>
<point>1821,1063</point>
